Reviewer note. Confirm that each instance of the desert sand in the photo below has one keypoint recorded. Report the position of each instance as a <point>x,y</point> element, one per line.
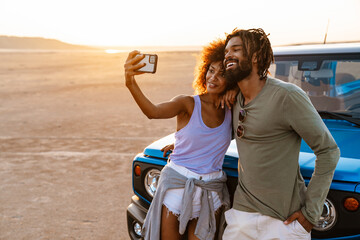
<point>69,131</point>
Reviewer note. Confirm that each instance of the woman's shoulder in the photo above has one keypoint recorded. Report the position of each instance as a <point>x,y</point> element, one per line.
<point>187,99</point>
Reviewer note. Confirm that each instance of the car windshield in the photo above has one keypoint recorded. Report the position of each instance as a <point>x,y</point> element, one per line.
<point>332,83</point>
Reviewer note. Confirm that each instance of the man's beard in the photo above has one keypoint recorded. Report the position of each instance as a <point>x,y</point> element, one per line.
<point>242,71</point>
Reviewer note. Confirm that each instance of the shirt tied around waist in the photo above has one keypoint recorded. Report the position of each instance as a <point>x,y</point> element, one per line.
<point>206,224</point>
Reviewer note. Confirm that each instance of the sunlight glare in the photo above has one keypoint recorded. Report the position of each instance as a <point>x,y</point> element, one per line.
<point>111,51</point>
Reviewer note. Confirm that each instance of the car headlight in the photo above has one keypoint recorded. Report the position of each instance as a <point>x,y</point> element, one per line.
<point>151,181</point>
<point>328,217</point>
<point>137,229</point>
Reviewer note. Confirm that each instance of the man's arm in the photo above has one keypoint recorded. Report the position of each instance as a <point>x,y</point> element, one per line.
<point>304,119</point>
<point>229,97</point>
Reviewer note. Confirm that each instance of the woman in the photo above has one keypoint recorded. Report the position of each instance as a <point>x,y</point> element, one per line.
<point>192,187</point>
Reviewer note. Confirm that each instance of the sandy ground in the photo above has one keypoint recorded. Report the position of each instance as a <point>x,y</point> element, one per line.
<point>69,130</point>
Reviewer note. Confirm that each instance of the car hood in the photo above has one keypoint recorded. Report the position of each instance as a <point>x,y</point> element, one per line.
<point>153,149</point>
<point>348,168</point>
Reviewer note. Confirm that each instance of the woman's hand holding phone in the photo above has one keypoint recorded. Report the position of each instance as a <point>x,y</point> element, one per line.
<point>137,63</point>
<point>131,66</point>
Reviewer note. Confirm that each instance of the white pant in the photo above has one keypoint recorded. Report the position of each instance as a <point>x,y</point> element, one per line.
<point>246,226</point>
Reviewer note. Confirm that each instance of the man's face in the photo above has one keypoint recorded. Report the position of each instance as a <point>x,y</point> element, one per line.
<point>237,66</point>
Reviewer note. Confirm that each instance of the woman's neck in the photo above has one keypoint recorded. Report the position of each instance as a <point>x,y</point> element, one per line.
<point>212,99</point>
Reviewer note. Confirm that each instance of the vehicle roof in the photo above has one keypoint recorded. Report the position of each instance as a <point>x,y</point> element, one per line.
<point>337,48</point>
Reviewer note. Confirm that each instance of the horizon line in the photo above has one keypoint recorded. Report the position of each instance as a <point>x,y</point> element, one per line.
<point>187,47</point>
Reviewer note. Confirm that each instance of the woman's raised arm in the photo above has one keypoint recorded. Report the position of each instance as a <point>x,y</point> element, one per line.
<point>163,110</point>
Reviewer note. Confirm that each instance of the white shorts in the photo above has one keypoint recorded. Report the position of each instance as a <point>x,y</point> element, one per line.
<point>173,197</point>
<point>251,226</point>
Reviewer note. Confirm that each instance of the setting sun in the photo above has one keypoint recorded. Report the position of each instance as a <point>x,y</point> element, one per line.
<point>111,51</point>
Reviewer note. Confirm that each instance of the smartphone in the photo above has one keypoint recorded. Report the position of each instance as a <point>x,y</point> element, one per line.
<point>151,62</point>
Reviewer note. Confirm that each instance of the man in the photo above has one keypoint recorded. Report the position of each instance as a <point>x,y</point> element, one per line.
<point>270,118</point>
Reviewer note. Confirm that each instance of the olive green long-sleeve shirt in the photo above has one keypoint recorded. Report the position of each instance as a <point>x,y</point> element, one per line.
<point>269,174</point>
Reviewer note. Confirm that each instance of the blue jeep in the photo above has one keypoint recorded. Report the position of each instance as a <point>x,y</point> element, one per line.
<point>330,75</point>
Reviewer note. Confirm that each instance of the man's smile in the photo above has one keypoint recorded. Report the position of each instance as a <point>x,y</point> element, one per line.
<point>230,63</point>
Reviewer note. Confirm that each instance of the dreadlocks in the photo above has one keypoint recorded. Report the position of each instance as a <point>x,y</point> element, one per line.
<point>255,41</point>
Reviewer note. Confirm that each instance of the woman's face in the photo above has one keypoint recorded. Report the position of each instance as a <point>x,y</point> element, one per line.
<point>215,80</point>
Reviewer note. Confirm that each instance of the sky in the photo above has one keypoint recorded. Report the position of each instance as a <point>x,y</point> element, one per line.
<point>179,22</point>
